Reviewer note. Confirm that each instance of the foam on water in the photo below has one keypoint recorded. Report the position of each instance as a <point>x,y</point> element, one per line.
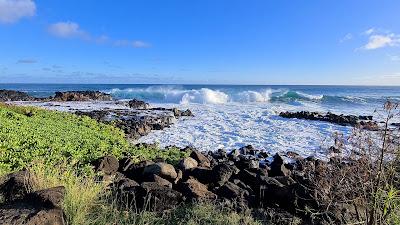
<point>233,125</point>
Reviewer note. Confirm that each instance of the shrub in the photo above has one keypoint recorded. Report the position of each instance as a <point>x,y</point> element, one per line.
<point>29,133</point>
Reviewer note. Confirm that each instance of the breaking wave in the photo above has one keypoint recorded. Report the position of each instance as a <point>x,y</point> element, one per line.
<point>176,94</point>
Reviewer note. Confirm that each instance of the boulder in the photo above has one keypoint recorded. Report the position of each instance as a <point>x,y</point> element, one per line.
<point>161,169</point>
<point>160,181</point>
<point>135,171</point>
<point>278,167</point>
<point>222,172</point>
<point>202,174</point>
<point>195,190</point>
<point>16,185</point>
<point>37,208</point>
<point>108,165</point>
<point>231,191</point>
<point>188,163</point>
<point>138,104</point>
<point>200,158</point>
<point>47,198</point>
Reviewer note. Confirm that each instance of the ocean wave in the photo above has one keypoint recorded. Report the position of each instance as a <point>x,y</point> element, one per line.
<point>179,95</point>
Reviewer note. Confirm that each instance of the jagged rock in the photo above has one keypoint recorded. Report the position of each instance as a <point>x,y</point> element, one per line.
<point>222,172</point>
<point>200,158</point>
<point>246,163</point>
<point>163,170</point>
<point>194,189</point>
<point>108,165</point>
<point>278,167</point>
<point>234,154</point>
<point>10,95</point>
<point>231,191</point>
<point>138,104</point>
<point>16,185</point>
<point>188,163</point>
<point>81,96</point>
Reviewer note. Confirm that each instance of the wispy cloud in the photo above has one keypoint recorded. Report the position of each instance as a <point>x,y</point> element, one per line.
<point>395,58</point>
<point>73,30</point>
<point>67,30</point>
<point>27,61</point>
<point>13,10</point>
<point>380,39</point>
<point>347,37</point>
<point>134,43</point>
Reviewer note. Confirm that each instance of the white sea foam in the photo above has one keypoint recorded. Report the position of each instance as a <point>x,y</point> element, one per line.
<point>234,125</point>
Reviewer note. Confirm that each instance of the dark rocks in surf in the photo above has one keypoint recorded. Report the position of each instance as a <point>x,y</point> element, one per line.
<point>11,95</point>
<point>364,122</point>
<point>80,96</point>
<point>138,104</point>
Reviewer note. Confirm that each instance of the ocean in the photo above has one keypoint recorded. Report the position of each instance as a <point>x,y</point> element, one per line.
<point>231,116</point>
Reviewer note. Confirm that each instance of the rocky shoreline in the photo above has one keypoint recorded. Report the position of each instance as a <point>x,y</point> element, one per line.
<point>135,117</point>
<point>242,179</point>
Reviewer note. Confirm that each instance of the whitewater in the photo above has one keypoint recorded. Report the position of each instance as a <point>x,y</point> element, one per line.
<point>231,116</point>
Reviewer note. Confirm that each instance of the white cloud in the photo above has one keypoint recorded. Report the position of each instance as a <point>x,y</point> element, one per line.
<point>13,10</point>
<point>347,37</point>
<point>67,30</point>
<point>134,44</point>
<point>369,31</point>
<point>380,39</point>
<point>73,30</point>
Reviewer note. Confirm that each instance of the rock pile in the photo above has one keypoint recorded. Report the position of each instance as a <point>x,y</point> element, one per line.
<point>364,122</point>
<point>21,206</point>
<point>244,181</point>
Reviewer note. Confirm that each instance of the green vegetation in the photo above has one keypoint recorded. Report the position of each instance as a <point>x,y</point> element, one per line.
<point>29,133</point>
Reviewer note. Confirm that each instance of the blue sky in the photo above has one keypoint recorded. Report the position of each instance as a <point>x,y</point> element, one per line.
<point>206,42</point>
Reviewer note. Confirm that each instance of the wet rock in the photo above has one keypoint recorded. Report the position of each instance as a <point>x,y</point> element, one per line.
<point>246,163</point>
<point>188,163</point>
<point>108,165</point>
<point>200,158</point>
<point>163,170</point>
<point>234,154</point>
<point>138,104</point>
<point>194,189</point>
<point>364,122</point>
<point>11,95</point>
<point>16,185</point>
<point>81,96</point>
